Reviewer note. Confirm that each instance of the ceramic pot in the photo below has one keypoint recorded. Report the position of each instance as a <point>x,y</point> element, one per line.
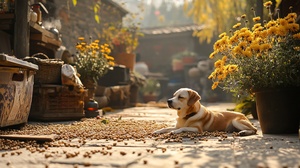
<point>278,110</point>
<point>126,59</point>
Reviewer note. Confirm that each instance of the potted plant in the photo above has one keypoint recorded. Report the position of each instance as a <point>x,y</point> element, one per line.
<point>182,58</point>
<point>265,61</point>
<point>188,57</point>
<point>150,89</point>
<point>92,62</point>
<point>123,39</point>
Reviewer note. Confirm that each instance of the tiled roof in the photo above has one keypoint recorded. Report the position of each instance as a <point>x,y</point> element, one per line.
<point>173,29</point>
<point>116,4</point>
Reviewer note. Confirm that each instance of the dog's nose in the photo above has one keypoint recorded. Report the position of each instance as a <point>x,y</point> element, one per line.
<point>169,101</point>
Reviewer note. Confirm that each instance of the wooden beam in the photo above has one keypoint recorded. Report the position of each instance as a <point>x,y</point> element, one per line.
<point>21,33</point>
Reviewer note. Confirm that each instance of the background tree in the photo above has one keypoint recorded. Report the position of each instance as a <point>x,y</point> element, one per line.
<point>214,15</point>
<point>217,15</point>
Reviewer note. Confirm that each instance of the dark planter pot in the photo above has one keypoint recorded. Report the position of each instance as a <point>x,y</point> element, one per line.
<point>278,110</point>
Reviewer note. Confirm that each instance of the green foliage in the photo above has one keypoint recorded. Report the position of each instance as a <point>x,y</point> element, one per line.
<point>185,53</point>
<point>151,86</point>
<point>245,105</point>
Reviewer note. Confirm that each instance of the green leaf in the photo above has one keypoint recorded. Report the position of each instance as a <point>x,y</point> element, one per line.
<point>105,121</point>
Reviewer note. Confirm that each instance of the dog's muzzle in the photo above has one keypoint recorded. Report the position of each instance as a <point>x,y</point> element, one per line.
<point>170,103</point>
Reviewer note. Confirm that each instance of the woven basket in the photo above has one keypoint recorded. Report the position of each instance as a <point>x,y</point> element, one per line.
<point>49,69</point>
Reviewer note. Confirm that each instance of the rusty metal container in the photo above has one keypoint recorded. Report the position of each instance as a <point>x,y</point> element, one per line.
<point>16,88</point>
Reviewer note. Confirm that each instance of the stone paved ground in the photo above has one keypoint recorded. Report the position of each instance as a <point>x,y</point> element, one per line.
<point>245,152</point>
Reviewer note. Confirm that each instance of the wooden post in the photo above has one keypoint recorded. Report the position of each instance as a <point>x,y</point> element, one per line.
<point>22,29</point>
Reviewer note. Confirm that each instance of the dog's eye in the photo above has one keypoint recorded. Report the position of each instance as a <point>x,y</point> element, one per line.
<point>180,97</point>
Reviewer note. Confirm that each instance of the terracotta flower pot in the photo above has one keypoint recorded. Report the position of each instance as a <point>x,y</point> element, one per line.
<point>278,110</point>
<point>127,59</point>
<point>188,59</point>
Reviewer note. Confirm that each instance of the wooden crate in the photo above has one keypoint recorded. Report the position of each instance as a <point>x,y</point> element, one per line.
<point>56,103</point>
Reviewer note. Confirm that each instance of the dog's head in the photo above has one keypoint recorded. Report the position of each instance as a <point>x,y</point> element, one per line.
<point>183,99</point>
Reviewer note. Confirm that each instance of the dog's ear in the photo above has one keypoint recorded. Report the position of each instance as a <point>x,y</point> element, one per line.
<point>193,97</point>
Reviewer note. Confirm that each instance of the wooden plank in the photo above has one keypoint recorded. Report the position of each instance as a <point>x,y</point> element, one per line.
<point>46,138</point>
<point>45,39</point>
<point>6,60</point>
<point>37,29</point>
<point>7,16</point>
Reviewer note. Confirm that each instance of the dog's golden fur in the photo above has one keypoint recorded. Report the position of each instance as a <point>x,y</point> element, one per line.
<point>192,116</point>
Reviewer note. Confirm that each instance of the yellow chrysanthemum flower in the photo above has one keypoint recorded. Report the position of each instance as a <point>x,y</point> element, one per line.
<point>269,3</point>
<point>283,22</point>
<point>263,34</point>
<point>291,16</point>
<point>281,31</point>
<point>271,23</point>
<point>294,27</point>
<point>243,44</point>
<point>244,29</point>
<point>111,63</point>
<point>255,46</point>
<point>221,76</point>
<point>212,55</point>
<point>80,38</point>
<point>218,64</point>
<point>212,75</point>
<point>296,36</point>
<point>215,85</point>
<point>256,27</point>
<point>265,47</point>
<point>256,19</point>
<point>110,58</point>
<point>224,58</point>
<point>222,35</point>
<point>232,68</point>
<point>233,39</point>
<point>236,25</point>
<point>272,31</point>
<point>79,46</point>
<point>237,50</point>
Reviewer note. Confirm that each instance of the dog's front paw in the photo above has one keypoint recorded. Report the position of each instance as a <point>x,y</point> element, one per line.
<point>176,131</point>
<point>158,132</point>
<point>246,132</point>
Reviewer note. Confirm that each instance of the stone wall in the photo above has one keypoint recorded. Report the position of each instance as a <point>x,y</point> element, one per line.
<point>79,21</point>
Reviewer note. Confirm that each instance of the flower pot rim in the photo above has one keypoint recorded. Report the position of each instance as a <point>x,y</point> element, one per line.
<point>270,89</point>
